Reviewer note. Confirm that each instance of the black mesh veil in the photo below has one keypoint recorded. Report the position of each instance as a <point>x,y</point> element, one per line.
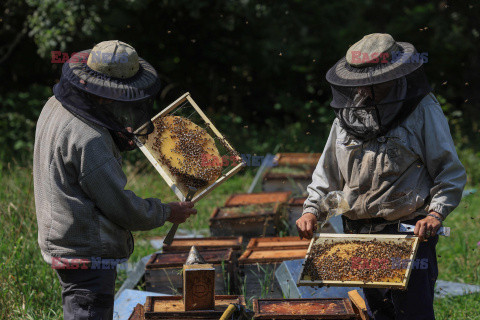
<point>117,116</point>
<point>371,110</point>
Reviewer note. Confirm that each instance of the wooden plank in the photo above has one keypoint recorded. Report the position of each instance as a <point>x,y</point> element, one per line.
<point>297,158</point>
<point>257,198</point>
<point>209,243</point>
<point>173,308</point>
<point>332,308</point>
<point>278,243</point>
<point>260,256</point>
<point>219,181</point>
<point>138,313</point>
<point>168,109</point>
<point>207,120</point>
<point>160,169</point>
<point>172,106</point>
<point>362,237</point>
<point>359,304</point>
<point>412,258</point>
<point>268,256</point>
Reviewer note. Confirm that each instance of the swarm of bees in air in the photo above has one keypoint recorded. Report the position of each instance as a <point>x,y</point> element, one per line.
<point>355,260</point>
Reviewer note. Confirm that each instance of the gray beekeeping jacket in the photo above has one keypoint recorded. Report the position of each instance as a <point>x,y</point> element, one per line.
<point>409,171</point>
<point>83,209</point>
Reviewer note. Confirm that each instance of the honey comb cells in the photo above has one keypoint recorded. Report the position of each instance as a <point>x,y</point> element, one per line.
<point>182,146</point>
<point>354,260</point>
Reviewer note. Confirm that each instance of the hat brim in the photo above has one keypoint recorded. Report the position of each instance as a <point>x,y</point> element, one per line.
<point>143,85</point>
<point>343,74</point>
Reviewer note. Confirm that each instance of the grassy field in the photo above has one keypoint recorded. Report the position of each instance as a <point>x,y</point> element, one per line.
<point>29,288</point>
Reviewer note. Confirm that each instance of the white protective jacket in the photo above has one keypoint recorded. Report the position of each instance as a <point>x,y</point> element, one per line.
<point>408,172</point>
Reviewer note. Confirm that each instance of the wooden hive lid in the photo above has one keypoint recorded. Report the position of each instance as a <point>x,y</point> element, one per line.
<point>208,243</point>
<point>258,198</point>
<point>332,308</point>
<point>278,243</point>
<point>177,259</point>
<point>236,212</point>
<point>297,158</point>
<point>269,255</point>
<point>172,307</point>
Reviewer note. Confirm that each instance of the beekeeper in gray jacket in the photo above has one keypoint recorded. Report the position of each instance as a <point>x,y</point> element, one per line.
<point>84,213</point>
<point>390,151</point>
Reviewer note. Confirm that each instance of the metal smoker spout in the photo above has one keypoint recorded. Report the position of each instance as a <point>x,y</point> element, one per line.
<point>194,257</point>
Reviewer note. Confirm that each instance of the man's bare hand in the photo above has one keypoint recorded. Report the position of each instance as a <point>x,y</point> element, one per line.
<point>427,227</point>
<point>181,211</point>
<point>306,225</point>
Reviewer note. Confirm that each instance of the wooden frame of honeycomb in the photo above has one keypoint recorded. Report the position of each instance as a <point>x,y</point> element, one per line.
<point>209,176</point>
<point>345,260</point>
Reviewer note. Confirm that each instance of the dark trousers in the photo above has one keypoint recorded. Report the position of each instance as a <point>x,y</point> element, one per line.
<point>87,294</point>
<point>415,303</point>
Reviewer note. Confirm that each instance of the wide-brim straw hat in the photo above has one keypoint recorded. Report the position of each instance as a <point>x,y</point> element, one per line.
<point>376,58</point>
<point>112,70</point>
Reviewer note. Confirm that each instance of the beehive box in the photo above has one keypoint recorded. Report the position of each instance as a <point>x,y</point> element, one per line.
<point>163,272</point>
<point>277,243</point>
<point>294,178</point>
<point>252,220</point>
<point>138,313</point>
<point>260,261</point>
<point>173,308</point>
<point>332,308</point>
<point>187,150</point>
<point>362,260</point>
<point>242,199</point>
<point>208,243</point>
<point>294,210</point>
<point>293,159</point>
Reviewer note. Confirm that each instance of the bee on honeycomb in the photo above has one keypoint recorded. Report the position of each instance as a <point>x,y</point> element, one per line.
<point>182,147</point>
<point>354,260</point>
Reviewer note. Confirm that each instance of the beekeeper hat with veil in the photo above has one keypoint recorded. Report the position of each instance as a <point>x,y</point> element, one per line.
<point>377,85</point>
<point>111,86</point>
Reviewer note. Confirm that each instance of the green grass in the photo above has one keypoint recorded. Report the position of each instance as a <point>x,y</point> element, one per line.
<point>459,259</point>
<point>29,288</point>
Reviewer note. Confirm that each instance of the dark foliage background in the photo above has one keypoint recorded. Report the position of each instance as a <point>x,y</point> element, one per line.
<point>256,67</point>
